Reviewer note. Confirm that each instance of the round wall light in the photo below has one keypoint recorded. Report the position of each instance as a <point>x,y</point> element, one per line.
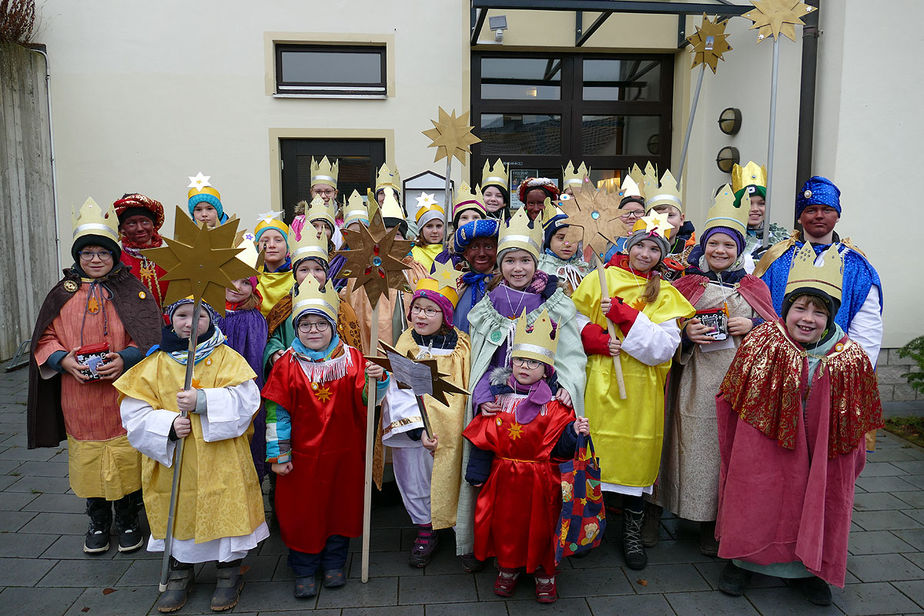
<point>727,158</point>
<point>730,120</point>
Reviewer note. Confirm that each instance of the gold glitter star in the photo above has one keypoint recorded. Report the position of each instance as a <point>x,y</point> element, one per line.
<point>323,393</point>
<point>200,261</point>
<point>775,17</point>
<point>451,136</point>
<point>515,431</point>
<point>374,258</point>
<point>592,219</point>
<point>656,222</point>
<point>445,274</point>
<point>709,43</point>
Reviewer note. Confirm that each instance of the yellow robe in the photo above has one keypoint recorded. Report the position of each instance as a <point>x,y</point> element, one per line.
<point>627,433</point>
<point>219,494</point>
<point>447,423</point>
<point>273,286</point>
<point>425,255</point>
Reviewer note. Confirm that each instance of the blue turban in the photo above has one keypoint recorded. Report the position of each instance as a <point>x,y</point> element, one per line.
<point>471,231</point>
<point>818,191</point>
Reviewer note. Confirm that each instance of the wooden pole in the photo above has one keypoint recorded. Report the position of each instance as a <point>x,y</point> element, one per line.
<point>370,437</point>
<point>178,451</point>
<point>605,292</point>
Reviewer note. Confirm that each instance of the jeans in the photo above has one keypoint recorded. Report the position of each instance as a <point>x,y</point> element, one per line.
<point>333,557</point>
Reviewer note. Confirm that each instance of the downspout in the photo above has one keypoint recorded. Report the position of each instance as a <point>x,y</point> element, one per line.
<point>807,96</point>
<point>51,142</point>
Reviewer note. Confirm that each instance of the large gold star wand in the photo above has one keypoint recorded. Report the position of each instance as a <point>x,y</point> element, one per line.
<point>708,44</point>
<point>771,19</point>
<point>201,262</point>
<point>452,137</point>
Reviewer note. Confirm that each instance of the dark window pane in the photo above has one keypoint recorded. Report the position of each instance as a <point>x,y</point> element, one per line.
<point>355,172</point>
<point>520,134</point>
<point>319,67</point>
<point>521,78</point>
<point>615,135</point>
<point>622,80</point>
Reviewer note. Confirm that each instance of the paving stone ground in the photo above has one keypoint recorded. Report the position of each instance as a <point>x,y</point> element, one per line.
<point>43,570</point>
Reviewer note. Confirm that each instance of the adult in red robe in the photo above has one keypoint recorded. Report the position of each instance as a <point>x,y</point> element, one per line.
<point>140,220</point>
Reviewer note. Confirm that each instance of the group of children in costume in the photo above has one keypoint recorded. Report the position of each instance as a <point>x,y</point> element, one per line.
<point>725,401</point>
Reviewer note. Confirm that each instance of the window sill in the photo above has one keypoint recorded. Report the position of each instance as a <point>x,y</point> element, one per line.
<point>340,96</point>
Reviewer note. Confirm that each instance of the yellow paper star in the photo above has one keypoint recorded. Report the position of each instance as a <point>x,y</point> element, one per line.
<point>709,43</point>
<point>775,17</point>
<point>445,274</point>
<point>200,261</point>
<point>515,431</point>
<point>451,136</point>
<point>656,222</point>
<point>374,258</point>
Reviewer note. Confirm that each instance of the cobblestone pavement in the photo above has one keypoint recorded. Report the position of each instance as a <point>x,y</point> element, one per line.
<point>43,570</point>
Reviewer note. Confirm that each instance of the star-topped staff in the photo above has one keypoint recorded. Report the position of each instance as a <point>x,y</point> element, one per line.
<point>773,18</point>
<point>708,44</point>
<point>452,137</point>
<point>592,221</point>
<point>374,260</point>
<point>201,262</point>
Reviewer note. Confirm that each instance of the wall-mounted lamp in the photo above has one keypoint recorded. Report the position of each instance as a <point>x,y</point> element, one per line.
<point>498,24</point>
<point>727,158</point>
<point>654,144</point>
<point>730,120</point>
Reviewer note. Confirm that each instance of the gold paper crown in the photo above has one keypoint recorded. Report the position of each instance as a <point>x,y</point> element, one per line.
<point>535,342</point>
<point>724,212</point>
<point>824,272</point>
<point>467,199</point>
<point>91,219</point>
<point>322,172</point>
<point>311,244</point>
<point>667,193</point>
<point>387,177</point>
<point>442,282</point>
<point>318,210</point>
<point>751,174</point>
<point>654,223</point>
<point>518,233</point>
<point>629,188</point>
<point>310,295</point>
<point>355,210</point>
<point>495,175</point>
<point>390,207</point>
<point>248,254</point>
<point>572,176</point>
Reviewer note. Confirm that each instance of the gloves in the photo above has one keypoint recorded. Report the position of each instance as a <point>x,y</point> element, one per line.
<point>595,339</point>
<point>622,314</point>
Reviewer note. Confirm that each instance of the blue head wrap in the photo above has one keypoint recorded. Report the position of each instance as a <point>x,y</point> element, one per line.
<point>818,191</point>
<point>471,231</point>
<point>553,226</point>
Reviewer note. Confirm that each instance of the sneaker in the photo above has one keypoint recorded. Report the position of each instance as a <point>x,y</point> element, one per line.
<point>471,564</point>
<point>734,580</point>
<point>546,590</point>
<point>506,582</point>
<point>127,524</point>
<point>815,589</point>
<point>424,546</point>
<point>100,512</point>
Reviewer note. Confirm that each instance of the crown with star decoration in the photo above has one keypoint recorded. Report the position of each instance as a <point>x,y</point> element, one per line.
<point>495,175</point>
<point>311,244</point>
<point>521,233</point>
<point>536,341</point>
<point>323,172</point>
<point>725,213</point>
<point>201,190</point>
<point>654,223</point>
<point>319,210</point>
<point>91,219</point>
<point>309,295</point>
<point>442,281</point>
<point>387,177</point>
<point>665,193</point>
<point>751,174</point>
<point>824,272</point>
<point>428,210</point>
<point>355,210</point>
<point>574,177</point>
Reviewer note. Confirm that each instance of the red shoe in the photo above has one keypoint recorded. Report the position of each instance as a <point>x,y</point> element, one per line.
<point>506,582</point>
<point>546,590</point>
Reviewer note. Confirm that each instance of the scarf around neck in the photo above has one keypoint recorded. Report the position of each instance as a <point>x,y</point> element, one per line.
<point>178,347</point>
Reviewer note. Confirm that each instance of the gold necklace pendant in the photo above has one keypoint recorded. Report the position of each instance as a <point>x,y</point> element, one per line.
<point>93,305</point>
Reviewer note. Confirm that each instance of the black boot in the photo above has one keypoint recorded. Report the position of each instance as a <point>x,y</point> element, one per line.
<point>708,546</point>
<point>126,517</point>
<point>815,589</point>
<point>181,578</point>
<point>632,548</point>
<point>100,512</point>
<point>734,579</point>
<point>228,586</point>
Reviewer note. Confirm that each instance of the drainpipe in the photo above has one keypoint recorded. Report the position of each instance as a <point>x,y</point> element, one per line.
<point>51,142</point>
<point>807,96</point>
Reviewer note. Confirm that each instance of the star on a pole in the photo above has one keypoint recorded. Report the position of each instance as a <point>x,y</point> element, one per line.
<point>199,181</point>
<point>451,136</point>
<point>374,258</point>
<point>709,43</point>
<point>200,261</point>
<point>775,17</point>
<point>592,218</point>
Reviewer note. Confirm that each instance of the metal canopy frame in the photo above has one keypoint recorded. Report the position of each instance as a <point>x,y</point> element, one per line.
<point>606,8</point>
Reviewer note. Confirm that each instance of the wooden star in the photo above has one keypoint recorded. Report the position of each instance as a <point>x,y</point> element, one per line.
<point>374,258</point>
<point>775,17</point>
<point>451,136</point>
<point>709,43</point>
<point>200,261</point>
<point>593,217</point>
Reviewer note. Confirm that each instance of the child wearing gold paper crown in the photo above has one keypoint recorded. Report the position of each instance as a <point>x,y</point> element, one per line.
<point>428,470</point>
<point>219,509</point>
<point>315,439</point>
<point>519,504</point>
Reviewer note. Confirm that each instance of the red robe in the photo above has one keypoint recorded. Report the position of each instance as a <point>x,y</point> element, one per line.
<point>792,450</point>
<point>323,494</point>
<point>518,508</point>
<point>150,275</point>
